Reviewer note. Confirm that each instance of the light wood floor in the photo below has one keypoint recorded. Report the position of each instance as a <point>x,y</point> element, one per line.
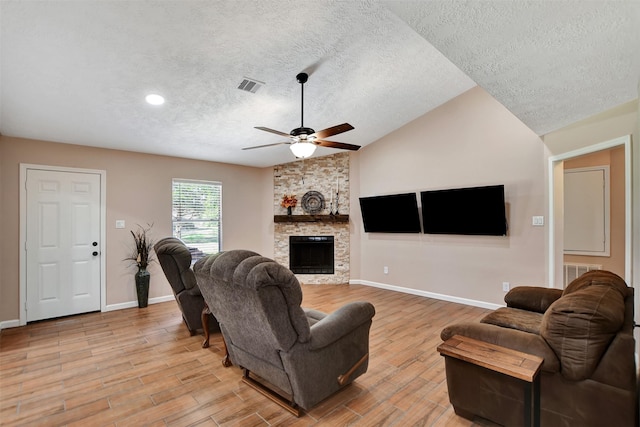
<point>139,367</point>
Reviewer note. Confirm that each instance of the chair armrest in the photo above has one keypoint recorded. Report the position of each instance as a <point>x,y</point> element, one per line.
<point>510,338</point>
<point>340,323</point>
<point>195,291</point>
<point>532,298</point>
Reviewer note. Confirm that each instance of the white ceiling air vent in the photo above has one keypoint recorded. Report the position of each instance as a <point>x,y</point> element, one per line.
<point>250,85</point>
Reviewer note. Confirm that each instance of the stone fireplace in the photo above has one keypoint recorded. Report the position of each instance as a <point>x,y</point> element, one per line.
<point>322,174</point>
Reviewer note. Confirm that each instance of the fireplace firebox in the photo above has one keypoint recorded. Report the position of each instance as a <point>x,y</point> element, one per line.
<point>311,254</point>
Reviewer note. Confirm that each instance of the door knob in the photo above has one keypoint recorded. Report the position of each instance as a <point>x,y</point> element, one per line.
<point>94,244</point>
<point>95,253</point>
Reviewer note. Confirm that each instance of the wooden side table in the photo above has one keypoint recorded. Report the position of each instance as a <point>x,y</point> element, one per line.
<point>513,363</point>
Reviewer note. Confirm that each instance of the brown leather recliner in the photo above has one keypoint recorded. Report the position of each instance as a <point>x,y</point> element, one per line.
<point>584,334</point>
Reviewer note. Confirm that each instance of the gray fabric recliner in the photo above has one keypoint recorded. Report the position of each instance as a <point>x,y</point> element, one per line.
<point>175,259</point>
<point>305,355</point>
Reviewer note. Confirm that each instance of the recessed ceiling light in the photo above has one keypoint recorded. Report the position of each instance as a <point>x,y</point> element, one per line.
<point>154,99</point>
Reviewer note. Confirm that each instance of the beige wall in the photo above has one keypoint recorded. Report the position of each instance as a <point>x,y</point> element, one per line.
<point>138,191</point>
<point>470,141</point>
<point>613,158</point>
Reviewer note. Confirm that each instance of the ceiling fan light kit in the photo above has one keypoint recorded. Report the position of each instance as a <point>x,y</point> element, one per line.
<point>302,150</point>
<point>303,141</point>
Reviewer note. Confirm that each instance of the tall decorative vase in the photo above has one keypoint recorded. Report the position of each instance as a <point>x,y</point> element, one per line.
<point>288,210</point>
<point>142,287</point>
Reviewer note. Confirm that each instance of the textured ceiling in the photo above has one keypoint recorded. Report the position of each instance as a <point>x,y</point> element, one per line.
<point>551,63</point>
<point>77,71</point>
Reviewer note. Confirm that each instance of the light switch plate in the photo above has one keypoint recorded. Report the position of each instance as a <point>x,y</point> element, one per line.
<point>538,221</point>
<point>119,223</point>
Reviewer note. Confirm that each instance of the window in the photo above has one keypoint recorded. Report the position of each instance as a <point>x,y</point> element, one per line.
<point>196,210</point>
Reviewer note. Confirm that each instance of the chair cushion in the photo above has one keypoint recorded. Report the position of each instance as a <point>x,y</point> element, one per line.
<point>597,278</point>
<point>175,259</point>
<point>515,318</point>
<point>262,273</point>
<point>532,298</point>
<point>313,316</point>
<point>580,326</point>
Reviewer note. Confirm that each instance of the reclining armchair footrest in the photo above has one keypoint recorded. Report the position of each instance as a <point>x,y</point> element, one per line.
<point>270,394</point>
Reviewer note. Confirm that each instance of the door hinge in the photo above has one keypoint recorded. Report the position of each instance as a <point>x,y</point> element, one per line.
<point>25,306</point>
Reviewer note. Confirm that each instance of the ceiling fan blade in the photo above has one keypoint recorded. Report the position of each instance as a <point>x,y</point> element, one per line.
<point>333,144</point>
<point>334,130</point>
<point>267,145</point>
<point>277,132</point>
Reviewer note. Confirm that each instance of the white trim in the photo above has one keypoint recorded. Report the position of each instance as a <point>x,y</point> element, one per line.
<point>134,304</point>
<point>553,161</point>
<point>24,167</point>
<point>9,324</point>
<point>427,294</point>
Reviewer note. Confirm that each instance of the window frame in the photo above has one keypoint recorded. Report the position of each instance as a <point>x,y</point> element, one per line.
<point>175,181</point>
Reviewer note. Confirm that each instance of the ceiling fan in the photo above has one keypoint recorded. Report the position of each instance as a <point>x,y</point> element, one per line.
<point>303,141</point>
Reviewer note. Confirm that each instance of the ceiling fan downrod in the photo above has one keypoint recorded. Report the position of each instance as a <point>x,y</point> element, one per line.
<point>302,134</point>
<point>302,79</point>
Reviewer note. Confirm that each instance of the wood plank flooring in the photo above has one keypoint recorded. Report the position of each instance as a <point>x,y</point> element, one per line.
<point>139,367</point>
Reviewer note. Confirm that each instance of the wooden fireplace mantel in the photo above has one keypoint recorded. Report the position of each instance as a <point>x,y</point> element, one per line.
<point>311,218</point>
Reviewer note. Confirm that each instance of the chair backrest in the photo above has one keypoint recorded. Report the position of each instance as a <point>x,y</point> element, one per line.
<point>257,302</point>
<point>175,259</point>
<point>581,324</point>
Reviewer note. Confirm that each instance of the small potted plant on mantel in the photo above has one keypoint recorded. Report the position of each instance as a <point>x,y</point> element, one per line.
<point>141,257</point>
<point>289,201</point>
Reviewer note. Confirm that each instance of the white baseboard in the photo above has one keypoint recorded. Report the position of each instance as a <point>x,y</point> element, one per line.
<point>427,294</point>
<point>112,307</point>
<point>133,304</point>
<point>9,324</point>
<point>156,300</point>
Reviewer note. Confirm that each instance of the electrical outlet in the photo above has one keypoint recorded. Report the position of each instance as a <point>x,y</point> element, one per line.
<point>505,286</point>
<point>386,270</point>
<point>119,223</point>
<point>538,221</point>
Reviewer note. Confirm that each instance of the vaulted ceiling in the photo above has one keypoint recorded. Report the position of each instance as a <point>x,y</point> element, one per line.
<point>78,71</point>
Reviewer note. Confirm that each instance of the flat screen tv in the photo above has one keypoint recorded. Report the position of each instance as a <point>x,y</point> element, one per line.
<point>396,213</point>
<point>469,211</point>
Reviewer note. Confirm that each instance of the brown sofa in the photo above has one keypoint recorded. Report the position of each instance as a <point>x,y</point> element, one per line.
<point>584,334</point>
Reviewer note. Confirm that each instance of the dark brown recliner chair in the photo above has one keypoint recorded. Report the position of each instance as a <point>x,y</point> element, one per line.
<point>302,355</point>
<point>584,334</point>
<point>175,259</point>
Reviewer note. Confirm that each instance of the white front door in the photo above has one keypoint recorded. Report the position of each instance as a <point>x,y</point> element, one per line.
<point>62,243</point>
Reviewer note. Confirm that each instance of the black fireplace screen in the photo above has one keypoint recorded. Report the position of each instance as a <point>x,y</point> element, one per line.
<point>311,254</point>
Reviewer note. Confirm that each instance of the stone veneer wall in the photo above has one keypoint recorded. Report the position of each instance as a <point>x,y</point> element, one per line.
<point>321,174</point>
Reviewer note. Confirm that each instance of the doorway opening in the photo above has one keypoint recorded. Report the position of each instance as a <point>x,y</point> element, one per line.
<point>556,238</point>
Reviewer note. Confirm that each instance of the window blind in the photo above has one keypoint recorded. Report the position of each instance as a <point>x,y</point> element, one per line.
<point>196,215</point>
